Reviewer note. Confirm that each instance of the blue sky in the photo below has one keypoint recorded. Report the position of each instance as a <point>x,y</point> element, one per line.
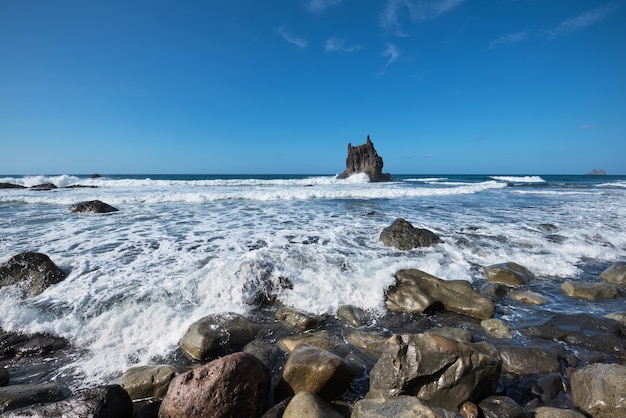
<point>282,86</point>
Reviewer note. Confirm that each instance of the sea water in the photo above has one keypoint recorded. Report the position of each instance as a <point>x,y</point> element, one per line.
<point>183,247</point>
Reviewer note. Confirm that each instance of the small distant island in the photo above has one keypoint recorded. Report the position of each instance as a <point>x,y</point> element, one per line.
<point>364,159</point>
<point>595,172</point>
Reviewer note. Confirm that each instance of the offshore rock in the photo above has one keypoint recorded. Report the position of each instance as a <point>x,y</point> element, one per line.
<point>364,159</point>
<point>399,407</point>
<point>34,272</point>
<point>600,390</point>
<point>404,236</point>
<point>93,206</point>
<point>11,186</point>
<point>45,186</point>
<point>222,388</point>
<point>418,292</point>
<point>443,372</point>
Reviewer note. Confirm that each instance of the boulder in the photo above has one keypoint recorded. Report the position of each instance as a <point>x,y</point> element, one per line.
<point>215,333</point>
<point>528,296</point>
<point>616,274</point>
<point>309,405</point>
<point>443,372</point>
<point>222,388</point>
<point>93,206</point>
<point>502,406</point>
<point>453,333</point>
<point>364,159</point>
<point>589,291</point>
<point>34,272</point>
<point>404,236</point>
<point>18,396</point>
<point>312,369</point>
<point>11,186</point>
<point>527,360</point>
<point>45,186</point>
<point>146,381</point>
<point>551,385</point>
<point>510,274</point>
<point>321,339</point>
<point>550,412</point>
<point>600,390</point>
<point>398,407</point>
<point>352,315</point>
<point>104,401</point>
<point>269,353</point>
<point>298,319</point>
<point>371,342</point>
<point>617,316</point>
<point>496,328</point>
<point>418,292</point>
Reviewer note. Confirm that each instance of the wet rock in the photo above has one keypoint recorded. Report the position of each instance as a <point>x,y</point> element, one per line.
<point>4,376</point>
<point>277,410</point>
<point>34,272</point>
<point>528,296</point>
<point>261,286</point>
<point>312,369</point>
<point>589,291</point>
<point>353,316</point>
<point>502,406</point>
<point>458,334</point>
<point>419,292</point>
<point>550,412</point>
<point>44,187</point>
<point>550,386</point>
<point>600,390</point>
<point>321,339</point>
<point>299,319</point>
<point>93,206</point>
<point>222,388</point>
<point>618,316</point>
<point>364,159</point>
<point>104,401</point>
<point>370,342</point>
<point>494,291</point>
<point>146,381</point>
<point>215,333</point>
<point>309,405</point>
<point>404,236</point>
<point>469,410</point>
<point>523,360</point>
<point>510,274</point>
<point>18,396</point>
<point>398,407</point>
<point>496,328</point>
<point>268,353</point>
<point>11,186</point>
<point>616,274</point>
<point>443,372</point>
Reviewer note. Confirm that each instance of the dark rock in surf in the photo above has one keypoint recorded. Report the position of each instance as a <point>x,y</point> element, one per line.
<point>93,206</point>
<point>95,176</point>
<point>46,186</point>
<point>261,286</point>
<point>299,319</point>
<point>33,272</point>
<point>11,186</point>
<point>404,236</point>
<point>364,159</point>
<point>18,396</point>
<point>502,406</point>
<point>4,376</point>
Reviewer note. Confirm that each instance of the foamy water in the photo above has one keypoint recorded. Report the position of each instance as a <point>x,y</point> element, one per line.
<point>181,248</point>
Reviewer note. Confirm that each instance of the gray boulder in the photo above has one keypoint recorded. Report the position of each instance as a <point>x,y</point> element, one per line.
<point>364,159</point>
<point>34,272</point>
<point>616,274</point>
<point>589,291</point>
<point>418,292</point>
<point>146,381</point>
<point>309,405</point>
<point>399,407</point>
<point>443,372</point>
<point>214,333</point>
<point>550,412</point>
<point>510,274</point>
<point>404,236</point>
<point>502,406</point>
<point>93,206</point>
<point>18,396</point>
<point>600,390</point>
<point>298,319</point>
<point>527,360</point>
<point>222,388</point>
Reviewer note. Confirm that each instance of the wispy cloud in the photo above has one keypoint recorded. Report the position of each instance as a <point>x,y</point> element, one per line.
<point>511,38</point>
<point>341,45</point>
<point>392,53</point>
<point>319,6</point>
<point>418,11</point>
<point>580,21</point>
<point>588,126</point>
<point>291,38</point>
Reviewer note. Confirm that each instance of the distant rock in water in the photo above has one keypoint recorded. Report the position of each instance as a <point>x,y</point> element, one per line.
<point>94,206</point>
<point>364,159</point>
<point>95,176</point>
<point>45,186</point>
<point>595,172</point>
<point>11,186</point>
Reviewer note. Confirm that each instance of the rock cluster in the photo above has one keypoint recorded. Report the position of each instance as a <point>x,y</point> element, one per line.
<point>364,159</point>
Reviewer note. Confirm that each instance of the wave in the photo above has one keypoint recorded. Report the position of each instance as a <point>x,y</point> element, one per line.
<point>62,180</point>
<point>519,179</point>
<point>428,179</point>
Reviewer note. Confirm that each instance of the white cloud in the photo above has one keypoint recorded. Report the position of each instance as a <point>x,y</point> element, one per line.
<point>418,11</point>
<point>511,38</point>
<point>336,44</point>
<point>581,21</point>
<point>291,38</point>
<point>391,53</point>
<point>319,6</point>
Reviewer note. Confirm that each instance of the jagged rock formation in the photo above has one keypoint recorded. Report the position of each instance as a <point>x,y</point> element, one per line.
<point>364,159</point>
<point>599,172</point>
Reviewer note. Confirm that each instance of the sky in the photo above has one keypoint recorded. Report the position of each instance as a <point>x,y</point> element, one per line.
<point>282,86</point>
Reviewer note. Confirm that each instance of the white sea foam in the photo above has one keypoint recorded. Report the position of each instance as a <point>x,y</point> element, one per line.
<point>519,179</point>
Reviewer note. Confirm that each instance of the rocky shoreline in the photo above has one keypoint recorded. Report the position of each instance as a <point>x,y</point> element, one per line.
<point>444,348</point>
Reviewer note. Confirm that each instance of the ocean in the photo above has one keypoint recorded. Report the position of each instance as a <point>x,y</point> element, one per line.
<point>185,246</point>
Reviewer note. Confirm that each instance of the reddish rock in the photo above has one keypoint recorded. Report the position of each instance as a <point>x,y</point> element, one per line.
<point>230,386</point>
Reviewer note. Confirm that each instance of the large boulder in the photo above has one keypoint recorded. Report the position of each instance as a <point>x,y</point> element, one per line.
<point>364,159</point>
<point>600,390</point>
<point>34,272</point>
<point>615,274</point>
<point>418,292</point>
<point>309,405</point>
<point>589,291</point>
<point>510,274</point>
<point>404,236</point>
<point>398,407</point>
<point>222,388</point>
<point>312,369</point>
<point>144,382</point>
<point>18,396</point>
<point>104,401</point>
<point>528,360</point>
<point>93,206</point>
<point>441,371</point>
<point>215,333</point>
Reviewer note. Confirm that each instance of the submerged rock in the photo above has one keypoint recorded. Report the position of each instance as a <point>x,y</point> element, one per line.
<point>404,236</point>
<point>34,272</point>
<point>93,206</point>
<point>364,159</point>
